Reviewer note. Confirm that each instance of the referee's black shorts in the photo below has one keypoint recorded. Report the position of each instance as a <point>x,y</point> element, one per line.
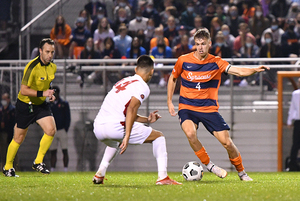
<point>24,117</point>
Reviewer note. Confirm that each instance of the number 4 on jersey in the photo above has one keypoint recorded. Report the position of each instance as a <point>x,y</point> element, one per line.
<point>198,86</point>
<point>122,86</point>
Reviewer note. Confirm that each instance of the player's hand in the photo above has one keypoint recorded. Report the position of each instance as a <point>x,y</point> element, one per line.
<point>123,146</point>
<point>52,98</point>
<point>153,117</point>
<point>49,93</point>
<point>261,68</point>
<point>171,109</point>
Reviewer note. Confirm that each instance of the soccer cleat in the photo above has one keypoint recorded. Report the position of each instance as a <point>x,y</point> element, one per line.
<point>10,173</point>
<point>167,181</point>
<point>244,177</point>
<point>220,172</point>
<point>40,167</point>
<point>98,180</point>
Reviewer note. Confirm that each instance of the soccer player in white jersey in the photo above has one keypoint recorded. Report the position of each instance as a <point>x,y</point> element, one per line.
<point>118,124</point>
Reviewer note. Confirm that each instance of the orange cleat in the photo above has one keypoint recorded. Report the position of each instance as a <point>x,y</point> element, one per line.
<point>167,181</point>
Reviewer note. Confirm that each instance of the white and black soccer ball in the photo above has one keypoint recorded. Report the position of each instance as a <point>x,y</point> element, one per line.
<point>192,171</point>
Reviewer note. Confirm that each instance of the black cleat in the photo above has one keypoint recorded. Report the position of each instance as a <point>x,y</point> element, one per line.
<point>10,173</point>
<point>41,167</point>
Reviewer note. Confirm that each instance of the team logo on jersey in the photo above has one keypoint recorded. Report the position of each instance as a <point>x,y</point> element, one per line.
<point>42,78</point>
<point>192,77</point>
<point>142,96</point>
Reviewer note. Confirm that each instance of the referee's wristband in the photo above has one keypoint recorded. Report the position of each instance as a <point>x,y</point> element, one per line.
<point>39,93</point>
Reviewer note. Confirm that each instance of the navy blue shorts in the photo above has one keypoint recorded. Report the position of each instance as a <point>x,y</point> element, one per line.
<point>211,121</point>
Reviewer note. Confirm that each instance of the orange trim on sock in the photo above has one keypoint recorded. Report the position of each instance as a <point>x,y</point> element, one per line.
<point>203,156</point>
<point>237,162</point>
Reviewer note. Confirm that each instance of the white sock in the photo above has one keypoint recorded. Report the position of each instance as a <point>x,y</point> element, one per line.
<point>65,169</point>
<point>160,153</point>
<point>109,154</point>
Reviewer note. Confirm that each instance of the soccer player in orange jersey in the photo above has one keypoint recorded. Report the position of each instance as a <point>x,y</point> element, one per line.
<point>200,81</point>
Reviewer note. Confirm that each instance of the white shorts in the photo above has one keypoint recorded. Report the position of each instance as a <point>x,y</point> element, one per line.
<point>62,137</point>
<point>113,133</point>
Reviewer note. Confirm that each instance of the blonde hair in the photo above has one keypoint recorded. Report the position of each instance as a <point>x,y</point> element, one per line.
<point>202,33</point>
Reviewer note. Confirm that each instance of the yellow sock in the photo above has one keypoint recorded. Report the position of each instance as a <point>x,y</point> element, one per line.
<point>11,153</point>
<point>44,146</point>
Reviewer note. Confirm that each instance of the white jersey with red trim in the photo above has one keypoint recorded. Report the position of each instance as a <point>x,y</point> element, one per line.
<point>115,104</point>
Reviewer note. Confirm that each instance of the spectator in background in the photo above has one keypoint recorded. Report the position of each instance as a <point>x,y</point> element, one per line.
<point>96,21</point>
<point>294,114</point>
<point>158,33</point>
<point>61,112</point>
<point>101,33</point>
<point>234,20</point>
<point>181,32</point>
<point>270,50</point>
<point>229,39</point>
<point>88,20</point>
<point>142,40</point>
<point>183,47</point>
<point>197,25</point>
<point>139,22</point>
<point>187,17</point>
<point>60,34</point>
<point>276,32</point>
<point>241,39</point>
<point>92,8</point>
<point>168,12</point>
<point>215,26</point>
<point>249,50</point>
<point>7,115</point>
<point>159,52</point>
<point>109,51</point>
<point>151,12</point>
<point>170,31</point>
<point>122,4</point>
<point>220,13</point>
<point>149,32</point>
<point>209,15</point>
<point>122,41</point>
<point>297,27</point>
<point>79,35</point>
<point>248,10</point>
<point>280,8</point>
<point>89,52</point>
<point>220,48</point>
<point>121,18</point>
<point>293,10</point>
<point>258,23</point>
<point>289,40</point>
<point>135,50</point>
<point>200,7</point>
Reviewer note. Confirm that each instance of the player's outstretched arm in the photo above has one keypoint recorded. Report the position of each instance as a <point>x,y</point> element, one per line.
<point>171,88</point>
<point>245,71</point>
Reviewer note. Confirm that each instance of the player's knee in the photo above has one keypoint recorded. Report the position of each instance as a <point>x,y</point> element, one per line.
<point>228,144</point>
<point>51,132</point>
<point>191,135</point>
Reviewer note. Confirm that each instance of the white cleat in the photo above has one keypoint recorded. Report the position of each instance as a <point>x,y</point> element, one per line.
<point>220,172</point>
<point>244,177</point>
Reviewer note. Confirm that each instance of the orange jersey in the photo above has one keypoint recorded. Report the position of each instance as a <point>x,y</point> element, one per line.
<point>200,82</point>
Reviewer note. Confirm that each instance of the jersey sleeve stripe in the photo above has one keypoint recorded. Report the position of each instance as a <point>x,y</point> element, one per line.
<point>199,67</point>
<point>28,71</point>
<point>200,85</point>
<point>197,102</point>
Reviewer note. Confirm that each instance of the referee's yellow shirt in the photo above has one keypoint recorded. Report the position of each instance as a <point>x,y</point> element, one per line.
<point>37,76</point>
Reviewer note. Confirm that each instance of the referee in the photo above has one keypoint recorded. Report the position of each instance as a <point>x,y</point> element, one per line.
<point>31,107</point>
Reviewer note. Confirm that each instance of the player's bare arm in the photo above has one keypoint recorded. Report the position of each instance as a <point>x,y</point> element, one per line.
<point>27,91</point>
<point>171,88</point>
<point>131,116</point>
<point>245,71</point>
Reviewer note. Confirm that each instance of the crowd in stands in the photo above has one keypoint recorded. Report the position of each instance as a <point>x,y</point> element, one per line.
<point>164,29</point>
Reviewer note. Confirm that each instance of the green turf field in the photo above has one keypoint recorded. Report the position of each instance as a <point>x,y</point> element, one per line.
<point>141,186</point>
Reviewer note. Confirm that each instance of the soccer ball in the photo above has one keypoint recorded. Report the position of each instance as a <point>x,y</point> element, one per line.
<point>192,171</point>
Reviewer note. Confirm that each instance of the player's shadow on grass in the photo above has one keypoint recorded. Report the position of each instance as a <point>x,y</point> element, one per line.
<point>121,186</point>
